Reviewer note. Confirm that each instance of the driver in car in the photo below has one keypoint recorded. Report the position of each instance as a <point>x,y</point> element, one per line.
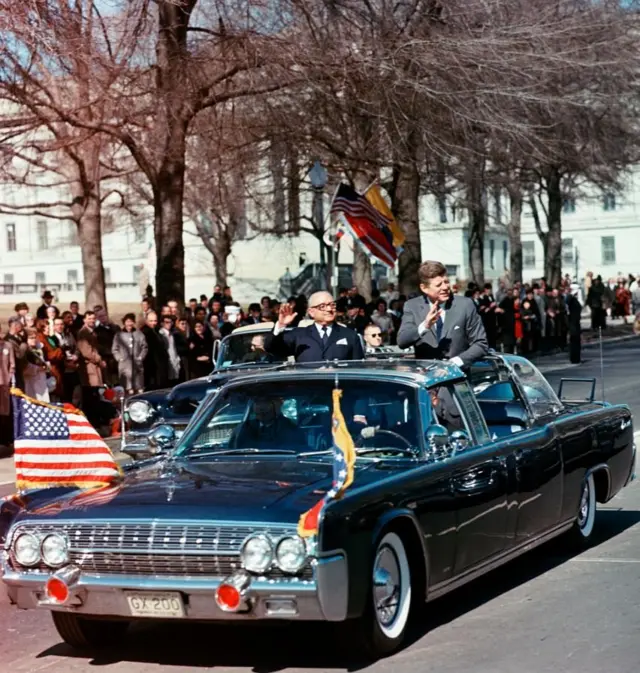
<point>257,352</point>
<point>267,427</point>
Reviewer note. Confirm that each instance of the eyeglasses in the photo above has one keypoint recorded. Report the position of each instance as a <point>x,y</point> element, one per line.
<point>325,307</point>
<point>377,335</point>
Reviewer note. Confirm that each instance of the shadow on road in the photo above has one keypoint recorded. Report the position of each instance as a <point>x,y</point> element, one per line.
<point>268,648</point>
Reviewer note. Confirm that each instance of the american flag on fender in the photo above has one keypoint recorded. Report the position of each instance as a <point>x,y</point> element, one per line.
<point>344,460</point>
<point>368,226</point>
<point>57,446</point>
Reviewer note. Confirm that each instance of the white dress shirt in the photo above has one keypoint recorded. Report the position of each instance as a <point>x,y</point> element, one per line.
<point>278,330</point>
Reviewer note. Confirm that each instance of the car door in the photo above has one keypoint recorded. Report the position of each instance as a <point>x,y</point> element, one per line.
<point>482,487</point>
<point>538,454</point>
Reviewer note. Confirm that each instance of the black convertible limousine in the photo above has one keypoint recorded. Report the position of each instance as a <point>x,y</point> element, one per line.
<point>454,475</point>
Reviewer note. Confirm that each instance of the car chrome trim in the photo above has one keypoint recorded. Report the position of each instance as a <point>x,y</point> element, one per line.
<point>496,561</point>
<point>332,580</point>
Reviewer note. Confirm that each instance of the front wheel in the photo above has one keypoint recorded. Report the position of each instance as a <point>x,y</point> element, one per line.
<point>382,628</point>
<point>83,633</point>
<point>583,527</point>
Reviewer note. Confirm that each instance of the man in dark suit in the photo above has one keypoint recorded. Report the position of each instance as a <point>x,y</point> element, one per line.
<point>324,340</point>
<point>439,325</point>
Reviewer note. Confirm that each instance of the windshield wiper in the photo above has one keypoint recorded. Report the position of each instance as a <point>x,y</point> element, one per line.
<point>387,449</point>
<point>239,452</point>
<point>324,452</point>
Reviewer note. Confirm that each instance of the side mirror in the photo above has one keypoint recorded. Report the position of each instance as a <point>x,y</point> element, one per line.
<point>161,438</point>
<point>438,441</point>
<point>460,441</point>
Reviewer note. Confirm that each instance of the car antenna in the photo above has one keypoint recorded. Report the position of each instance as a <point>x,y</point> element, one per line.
<point>601,364</point>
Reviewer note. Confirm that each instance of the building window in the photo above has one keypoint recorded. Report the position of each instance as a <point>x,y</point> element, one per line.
<point>137,272</point>
<point>442,208</point>
<point>569,205</point>
<point>528,254</point>
<point>73,234</point>
<point>505,255</point>
<point>492,253</point>
<point>41,278</point>
<point>497,199</point>
<point>609,201</point>
<point>11,237</point>
<point>452,270</point>
<point>608,244</point>
<point>43,234</point>
<point>72,277</point>
<point>107,275</point>
<point>567,251</point>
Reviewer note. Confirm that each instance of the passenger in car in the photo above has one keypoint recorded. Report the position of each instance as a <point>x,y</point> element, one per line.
<point>445,409</point>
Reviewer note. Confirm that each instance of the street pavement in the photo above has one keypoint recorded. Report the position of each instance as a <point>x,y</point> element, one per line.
<point>549,611</point>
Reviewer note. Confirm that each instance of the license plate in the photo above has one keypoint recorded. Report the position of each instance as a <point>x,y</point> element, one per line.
<point>167,604</point>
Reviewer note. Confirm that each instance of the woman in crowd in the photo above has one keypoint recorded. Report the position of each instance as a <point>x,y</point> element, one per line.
<point>129,348</point>
<point>200,351</point>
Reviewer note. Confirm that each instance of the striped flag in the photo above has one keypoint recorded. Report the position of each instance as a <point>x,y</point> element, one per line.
<point>344,460</point>
<point>368,226</point>
<point>375,198</point>
<point>57,446</point>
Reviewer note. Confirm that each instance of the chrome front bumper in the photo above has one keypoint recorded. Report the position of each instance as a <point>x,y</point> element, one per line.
<point>324,598</point>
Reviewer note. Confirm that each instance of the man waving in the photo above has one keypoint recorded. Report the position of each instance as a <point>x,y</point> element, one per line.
<point>324,340</point>
<point>438,324</point>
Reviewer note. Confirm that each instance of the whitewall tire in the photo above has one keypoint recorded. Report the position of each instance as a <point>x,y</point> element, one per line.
<point>382,628</point>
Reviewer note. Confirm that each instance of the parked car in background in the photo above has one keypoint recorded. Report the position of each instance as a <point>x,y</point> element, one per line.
<point>235,354</point>
<point>453,477</point>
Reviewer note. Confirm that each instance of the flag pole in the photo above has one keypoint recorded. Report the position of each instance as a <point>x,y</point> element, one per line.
<point>370,186</point>
<point>333,256</point>
<point>123,442</point>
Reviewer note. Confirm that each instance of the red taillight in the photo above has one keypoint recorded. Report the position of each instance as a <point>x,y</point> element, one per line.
<point>57,590</point>
<point>228,597</point>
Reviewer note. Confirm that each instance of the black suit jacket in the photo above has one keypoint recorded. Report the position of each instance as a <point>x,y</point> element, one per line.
<point>305,344</point>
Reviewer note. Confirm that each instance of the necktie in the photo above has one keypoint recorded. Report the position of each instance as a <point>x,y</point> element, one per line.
<point>325,337</point>
<point>439,326</point>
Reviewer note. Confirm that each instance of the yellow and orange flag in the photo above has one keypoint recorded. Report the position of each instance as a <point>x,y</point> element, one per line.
<point>344,460</point>
<point>375,198</point>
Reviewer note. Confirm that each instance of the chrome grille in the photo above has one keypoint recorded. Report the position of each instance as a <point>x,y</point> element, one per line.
<point>158,549</point>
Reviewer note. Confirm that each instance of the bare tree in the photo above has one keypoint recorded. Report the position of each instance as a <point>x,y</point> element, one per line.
<point>51,57</point>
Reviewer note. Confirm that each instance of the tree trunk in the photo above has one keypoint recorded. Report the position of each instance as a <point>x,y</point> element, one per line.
<point>90,235</point>
<point>514,229</point>
<point>221,249</point>
<point>406,208</point>
<point>477,222</point>
<point>173,113</point>
<point>361,271</point>
<point>168,197</point>
<point>553,247</point>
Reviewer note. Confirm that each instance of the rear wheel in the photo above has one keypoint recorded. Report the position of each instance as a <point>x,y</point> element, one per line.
<point>382,628</point>
<point>85,633</point>
<point>583,526</point>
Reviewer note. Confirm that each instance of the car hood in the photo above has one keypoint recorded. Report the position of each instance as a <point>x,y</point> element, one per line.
<point>233,489</point>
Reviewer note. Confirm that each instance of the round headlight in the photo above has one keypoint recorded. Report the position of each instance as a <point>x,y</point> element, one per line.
<point>291,554</point>
<point>55,550</point>
<point>26,550</point>
<point>140,411</point>
<point>257,554</point>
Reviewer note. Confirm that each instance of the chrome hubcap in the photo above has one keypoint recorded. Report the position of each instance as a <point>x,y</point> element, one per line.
<point>583,514</point>
<point>386,586</point>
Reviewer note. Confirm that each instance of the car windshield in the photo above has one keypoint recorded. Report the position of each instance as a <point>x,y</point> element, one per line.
<point>294,417</point>
<point>541,396</point>
<point>245,348</point>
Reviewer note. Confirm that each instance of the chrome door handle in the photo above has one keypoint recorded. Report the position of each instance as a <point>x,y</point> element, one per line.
<point>625,424</point>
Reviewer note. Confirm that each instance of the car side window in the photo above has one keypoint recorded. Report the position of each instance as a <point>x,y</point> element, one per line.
<point>471,412</point>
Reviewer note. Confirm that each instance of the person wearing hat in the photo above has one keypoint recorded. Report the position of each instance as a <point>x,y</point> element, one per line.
<point>47,299</point>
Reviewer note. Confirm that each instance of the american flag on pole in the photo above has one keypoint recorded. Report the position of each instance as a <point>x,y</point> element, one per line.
<point>57,446</point>
<point>344,460</point>
<point>368,226</point>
